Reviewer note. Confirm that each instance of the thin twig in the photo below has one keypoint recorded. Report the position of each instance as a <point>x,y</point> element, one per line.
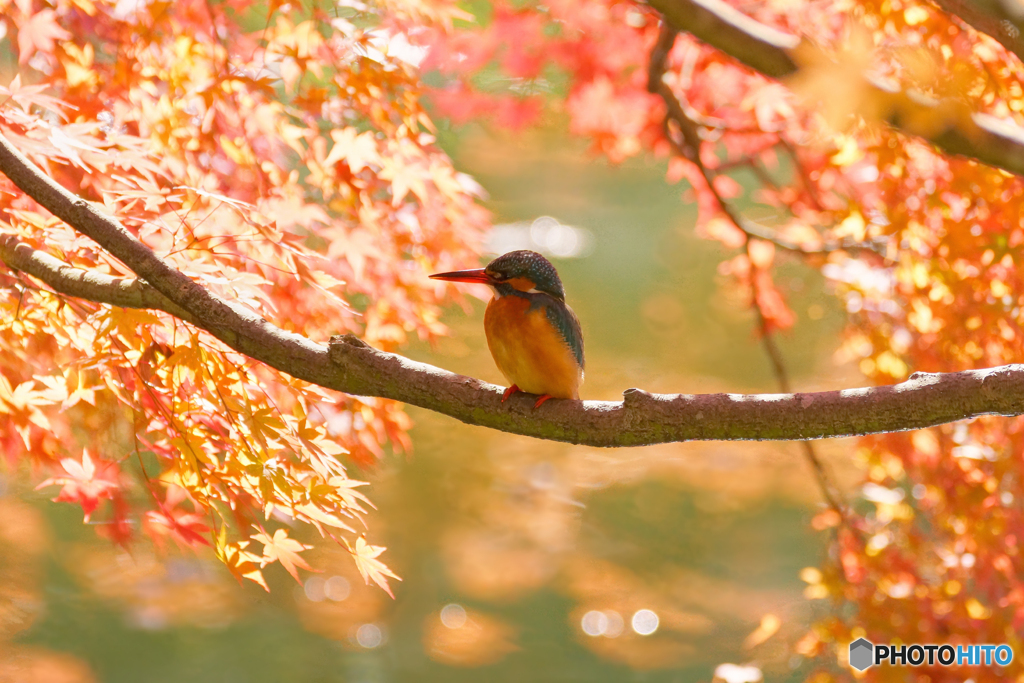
<point>812,190</point>
<point>690,148</point>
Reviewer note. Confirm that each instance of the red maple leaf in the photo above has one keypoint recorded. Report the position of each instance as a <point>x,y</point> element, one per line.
<point>85,483</point>
<point>119,527</point>
<point>184,527</point>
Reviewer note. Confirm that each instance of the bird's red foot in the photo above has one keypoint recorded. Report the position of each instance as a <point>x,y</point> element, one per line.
<point>508,392</point>
<point>540,401</point>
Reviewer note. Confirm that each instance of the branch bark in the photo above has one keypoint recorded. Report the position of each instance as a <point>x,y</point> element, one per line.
<point>351,366</point>
<point>992,141</point>
<point>83,284</point>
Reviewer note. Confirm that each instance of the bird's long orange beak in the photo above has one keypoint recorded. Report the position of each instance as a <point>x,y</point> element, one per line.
<point>475,275</point>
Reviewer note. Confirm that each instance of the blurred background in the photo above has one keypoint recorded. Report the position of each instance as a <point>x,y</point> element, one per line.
<point>521,559</point>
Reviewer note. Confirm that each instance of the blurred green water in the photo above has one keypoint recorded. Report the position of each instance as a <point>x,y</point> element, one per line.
<point>528,536</point>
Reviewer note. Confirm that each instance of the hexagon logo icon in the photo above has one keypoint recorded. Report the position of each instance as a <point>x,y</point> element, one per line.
<point>861,654</point>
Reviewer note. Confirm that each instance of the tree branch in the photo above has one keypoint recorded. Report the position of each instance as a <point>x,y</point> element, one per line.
<point>725,28</point>
<point>351,366</point>
<point>992,141</point>
<point>84,284</point>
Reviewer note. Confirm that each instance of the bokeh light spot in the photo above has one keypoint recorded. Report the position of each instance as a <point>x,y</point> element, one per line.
<point>453,615</point>
<point>314,589</point>
<point>615,624</point>
<point>735,673</point>
<point>645,622</point>
<point>337,588</point>
<point>545,234</point>
<point>594,623</point>
<point>369,636</point>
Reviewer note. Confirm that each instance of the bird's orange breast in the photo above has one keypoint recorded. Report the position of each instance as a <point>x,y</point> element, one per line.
<point>529,350</point>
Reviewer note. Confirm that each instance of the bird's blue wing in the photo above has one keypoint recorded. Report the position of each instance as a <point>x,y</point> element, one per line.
<point>566,322</point>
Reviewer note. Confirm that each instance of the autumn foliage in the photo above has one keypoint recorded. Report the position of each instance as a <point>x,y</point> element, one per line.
<point>283,157</point>
<point>283,160</point>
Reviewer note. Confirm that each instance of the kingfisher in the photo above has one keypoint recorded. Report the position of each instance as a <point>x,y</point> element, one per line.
<point>534,337</point>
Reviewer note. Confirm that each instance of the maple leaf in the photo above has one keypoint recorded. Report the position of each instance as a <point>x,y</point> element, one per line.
<point>39,33</point>
<point>186,528</point>
<point>24,402</point>
<point>84,484</point>
<point>118,528</point>
<point>358,150</point>
<point>282,549</point>
<point>345,489</point>
<point>33,95</point>
<point>79,392</point>
<point>317,516</point>
<point>239,561</point>
<point>405,176</point>
<point>370,567</point>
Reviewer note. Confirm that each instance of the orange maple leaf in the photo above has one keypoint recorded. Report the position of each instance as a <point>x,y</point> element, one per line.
<point>282,549</point>
<point>240,561</point>
<point>39,33</point>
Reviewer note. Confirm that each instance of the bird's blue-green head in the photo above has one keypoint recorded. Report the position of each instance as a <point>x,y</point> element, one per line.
<point>526,271</point>
<point>523,270</point>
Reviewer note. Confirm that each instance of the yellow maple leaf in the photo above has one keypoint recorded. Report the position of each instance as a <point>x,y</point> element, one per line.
<point>282,549</point>
<point>370,567</point>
